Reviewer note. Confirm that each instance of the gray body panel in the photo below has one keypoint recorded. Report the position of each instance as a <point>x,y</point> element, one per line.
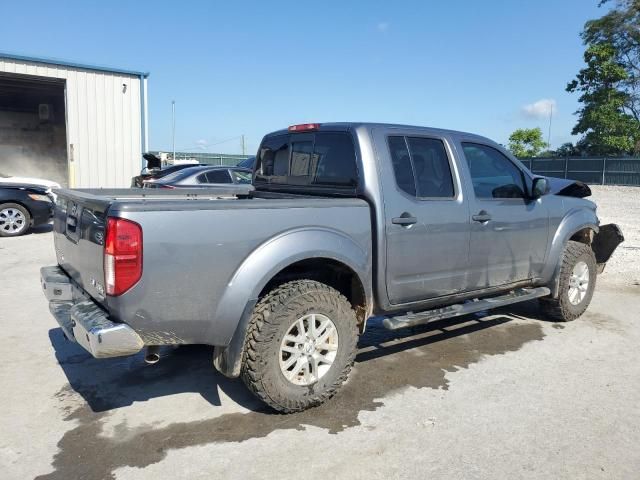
<point>208,255</point>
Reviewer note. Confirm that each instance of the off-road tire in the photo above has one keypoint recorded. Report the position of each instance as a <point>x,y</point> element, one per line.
<point>27,219</point>
<point>561,309</point>
<point>271,318</point>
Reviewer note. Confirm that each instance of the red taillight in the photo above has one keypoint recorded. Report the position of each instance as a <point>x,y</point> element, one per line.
<point>122,255</point>
<point>304,127</point>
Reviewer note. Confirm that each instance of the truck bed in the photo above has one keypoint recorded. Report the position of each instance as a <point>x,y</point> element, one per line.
<point>194,243</point>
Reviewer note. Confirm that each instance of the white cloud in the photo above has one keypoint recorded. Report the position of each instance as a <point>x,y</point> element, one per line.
<point>383,27</point>
<point>540,109</point>
<point>202,144</point>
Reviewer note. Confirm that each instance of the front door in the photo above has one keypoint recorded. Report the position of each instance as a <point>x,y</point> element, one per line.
<point>508,230</point>
<point>426,219</point>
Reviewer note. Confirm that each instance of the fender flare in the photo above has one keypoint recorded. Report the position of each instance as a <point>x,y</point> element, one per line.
<point>572,223</point>
<point>242,291</point>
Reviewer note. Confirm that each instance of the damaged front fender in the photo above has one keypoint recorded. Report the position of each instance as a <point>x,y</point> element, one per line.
<point>605,243</point>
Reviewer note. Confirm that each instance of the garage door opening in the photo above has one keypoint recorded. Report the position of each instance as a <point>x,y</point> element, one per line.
<point>33,137</point>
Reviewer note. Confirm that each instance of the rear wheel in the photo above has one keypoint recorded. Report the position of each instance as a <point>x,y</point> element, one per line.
<point>14,220</point>
<point>576,283</point>
<point>300,345</point>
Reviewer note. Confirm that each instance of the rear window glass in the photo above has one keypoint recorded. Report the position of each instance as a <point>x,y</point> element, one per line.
<point>319,159</point>
<point>181,174</point>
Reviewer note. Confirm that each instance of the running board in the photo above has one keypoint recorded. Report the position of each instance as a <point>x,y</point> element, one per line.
<point>478,305</point>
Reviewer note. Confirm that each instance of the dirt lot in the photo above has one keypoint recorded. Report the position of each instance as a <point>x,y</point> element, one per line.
<point>505,396</point>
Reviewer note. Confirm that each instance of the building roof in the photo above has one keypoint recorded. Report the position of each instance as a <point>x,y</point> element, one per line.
<point>66,63</point>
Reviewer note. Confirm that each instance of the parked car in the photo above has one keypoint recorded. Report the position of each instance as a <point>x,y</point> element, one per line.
<point>23,206</point>
<point>347,221</point>
<point>6,178</point>
<point>249,163</point>
<point>203,176</point>
<point>154,170</point>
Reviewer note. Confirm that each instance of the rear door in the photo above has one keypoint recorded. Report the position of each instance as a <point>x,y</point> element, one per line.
<point>426,219</point>
<point>508,231</point>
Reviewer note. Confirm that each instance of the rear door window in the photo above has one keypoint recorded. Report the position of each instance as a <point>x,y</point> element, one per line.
<point>402,168</point>
<point>431,167</point>
<point>218,176</point>
<point>421,167</point>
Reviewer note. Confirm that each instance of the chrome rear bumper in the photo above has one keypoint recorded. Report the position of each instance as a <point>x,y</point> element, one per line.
<point>83,321</point>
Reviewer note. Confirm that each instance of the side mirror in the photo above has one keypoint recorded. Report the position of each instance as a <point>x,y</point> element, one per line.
<point>539,187</point>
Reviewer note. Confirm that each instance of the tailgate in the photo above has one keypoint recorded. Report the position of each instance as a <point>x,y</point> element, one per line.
<point>79,231</point>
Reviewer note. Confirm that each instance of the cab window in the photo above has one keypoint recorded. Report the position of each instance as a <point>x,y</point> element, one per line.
<point>492,173</point>
<point>421,167</point>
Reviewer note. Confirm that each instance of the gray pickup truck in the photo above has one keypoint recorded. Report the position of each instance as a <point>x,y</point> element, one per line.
<point>344,221</point>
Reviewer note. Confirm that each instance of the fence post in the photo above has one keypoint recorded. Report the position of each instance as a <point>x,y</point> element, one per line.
<point>566,167</point>
<point>604,168</point>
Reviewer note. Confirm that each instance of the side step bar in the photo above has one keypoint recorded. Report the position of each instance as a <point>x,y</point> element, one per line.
<point>411,319</point>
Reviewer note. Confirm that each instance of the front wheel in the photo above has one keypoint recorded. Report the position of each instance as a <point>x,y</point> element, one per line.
<point>15,220</point>
<point>300,345</point>
<point>576,283</point>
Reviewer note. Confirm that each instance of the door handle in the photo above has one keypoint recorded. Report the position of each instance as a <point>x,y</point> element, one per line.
<point>406,219</point>
<point>482,217</point>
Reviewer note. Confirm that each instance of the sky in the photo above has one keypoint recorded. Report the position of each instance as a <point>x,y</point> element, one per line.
<point>242,67</point>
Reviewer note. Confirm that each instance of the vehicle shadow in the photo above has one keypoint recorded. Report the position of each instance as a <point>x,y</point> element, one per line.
<point>44,228</point>
<point>111,383</point>
<point>108,384</point>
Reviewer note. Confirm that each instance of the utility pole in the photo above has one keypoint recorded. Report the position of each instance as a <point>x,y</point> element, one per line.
<point>173,129</point>
<point>243,149</point>
<point>549,134</point>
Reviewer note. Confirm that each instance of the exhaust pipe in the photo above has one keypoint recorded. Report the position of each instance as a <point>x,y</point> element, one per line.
<point>152,355</point>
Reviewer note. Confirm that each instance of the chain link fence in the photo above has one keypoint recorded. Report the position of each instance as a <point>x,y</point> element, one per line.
<point>602,171</point>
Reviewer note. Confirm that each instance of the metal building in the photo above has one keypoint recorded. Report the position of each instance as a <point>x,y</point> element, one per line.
<point>80,125</point>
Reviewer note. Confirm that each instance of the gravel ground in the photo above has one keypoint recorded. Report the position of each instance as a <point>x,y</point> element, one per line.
<point>510,395</point>
<point>621,205</point>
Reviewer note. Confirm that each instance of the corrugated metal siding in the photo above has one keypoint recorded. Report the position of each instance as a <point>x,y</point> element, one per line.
<point>103,123</point>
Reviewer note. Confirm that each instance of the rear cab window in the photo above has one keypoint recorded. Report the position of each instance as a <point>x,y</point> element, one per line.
<point>317,161</point>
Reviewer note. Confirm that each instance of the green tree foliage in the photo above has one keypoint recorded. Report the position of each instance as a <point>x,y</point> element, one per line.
<point>526,142</point>
<point>567,150</point>
<point>609,86</point>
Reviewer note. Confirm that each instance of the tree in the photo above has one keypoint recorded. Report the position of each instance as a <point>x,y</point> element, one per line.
<point>609,85</point>
<point>526,142</point>
<point>567,150</point>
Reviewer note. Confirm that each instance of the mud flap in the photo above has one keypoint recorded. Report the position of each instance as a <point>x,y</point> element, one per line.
<point>228,359</point>
<point>605,243</point>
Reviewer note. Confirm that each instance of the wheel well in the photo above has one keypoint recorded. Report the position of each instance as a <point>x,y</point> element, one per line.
<point>583,236</point>
<point>330,272</point>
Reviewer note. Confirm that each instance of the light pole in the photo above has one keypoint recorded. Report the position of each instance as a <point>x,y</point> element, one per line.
<point>173,134</point>
<point>549,134</point>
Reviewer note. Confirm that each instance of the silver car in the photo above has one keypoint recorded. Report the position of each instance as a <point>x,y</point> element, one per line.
<point>202,177</point>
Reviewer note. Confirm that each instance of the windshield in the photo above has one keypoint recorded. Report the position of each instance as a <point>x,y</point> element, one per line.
<point>247,163</point>
<point>322,159</point>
